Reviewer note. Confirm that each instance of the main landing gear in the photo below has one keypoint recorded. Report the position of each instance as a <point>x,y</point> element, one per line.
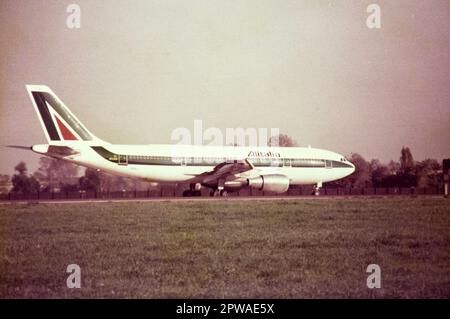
<point>218,192</point>
<point>194,190</point>
<point>316,189</point>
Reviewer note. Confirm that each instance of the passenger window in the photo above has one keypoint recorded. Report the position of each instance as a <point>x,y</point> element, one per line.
<point>287,162</point>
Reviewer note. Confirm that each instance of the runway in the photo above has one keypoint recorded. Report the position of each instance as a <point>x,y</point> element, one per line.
<point>204,199</point>
<point>165,199</point>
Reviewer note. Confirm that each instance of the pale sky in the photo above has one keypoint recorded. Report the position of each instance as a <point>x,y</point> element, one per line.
<point>137,70</point>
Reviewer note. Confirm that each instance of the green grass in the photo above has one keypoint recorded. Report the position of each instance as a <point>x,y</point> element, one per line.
<point>228,249</point>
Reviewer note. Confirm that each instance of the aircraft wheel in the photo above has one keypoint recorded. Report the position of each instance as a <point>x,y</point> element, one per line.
<point>223,193</point>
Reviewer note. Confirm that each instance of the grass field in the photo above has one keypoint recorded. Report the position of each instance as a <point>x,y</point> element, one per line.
<point>304,248</point>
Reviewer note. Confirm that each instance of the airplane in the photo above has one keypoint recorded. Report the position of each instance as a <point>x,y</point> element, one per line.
<point>223,169</point>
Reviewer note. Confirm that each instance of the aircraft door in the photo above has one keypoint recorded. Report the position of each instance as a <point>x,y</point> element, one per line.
<point>123,159</point>
<point>287,162</point>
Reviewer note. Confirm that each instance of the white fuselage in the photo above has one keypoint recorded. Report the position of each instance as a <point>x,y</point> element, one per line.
<point>184,163</point>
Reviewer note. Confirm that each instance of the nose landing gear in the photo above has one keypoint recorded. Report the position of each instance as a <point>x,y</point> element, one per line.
<point>316,189</point>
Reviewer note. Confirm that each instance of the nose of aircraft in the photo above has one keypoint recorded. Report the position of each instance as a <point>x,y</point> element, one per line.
<point>353,168</point>
<point>350,168</point>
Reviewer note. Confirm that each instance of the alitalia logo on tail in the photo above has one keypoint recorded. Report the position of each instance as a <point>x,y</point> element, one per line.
<point>65,132</point>
<point>58,122</point>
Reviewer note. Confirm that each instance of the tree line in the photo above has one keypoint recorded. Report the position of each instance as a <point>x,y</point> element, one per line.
<point>60,176</point>
<point>403,173</point>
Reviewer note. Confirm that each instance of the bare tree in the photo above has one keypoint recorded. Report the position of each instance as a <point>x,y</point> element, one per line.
<point>361,177</point>
<point>56,174</point>
<point>378,172</point>
<point>406,160</point>
<point>282,140</point>
<point>407,168</point>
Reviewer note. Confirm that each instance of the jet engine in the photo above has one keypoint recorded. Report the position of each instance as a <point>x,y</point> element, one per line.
<point>274,183</point>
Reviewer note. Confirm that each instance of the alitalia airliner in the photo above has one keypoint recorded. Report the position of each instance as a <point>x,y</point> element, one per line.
<point>221,168</point>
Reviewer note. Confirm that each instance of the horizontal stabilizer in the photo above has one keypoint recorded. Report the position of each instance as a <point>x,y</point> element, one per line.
<point>54,150</point>
<point>19,147</point>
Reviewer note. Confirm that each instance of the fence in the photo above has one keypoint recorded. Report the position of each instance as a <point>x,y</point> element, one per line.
<point>169,191</point>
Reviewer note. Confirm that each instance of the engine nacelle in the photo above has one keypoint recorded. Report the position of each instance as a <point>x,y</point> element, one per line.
<point>235,185</point>
<point>274,183</point>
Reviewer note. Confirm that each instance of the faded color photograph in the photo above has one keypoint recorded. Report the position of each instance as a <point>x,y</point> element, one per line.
<point>224,149</point>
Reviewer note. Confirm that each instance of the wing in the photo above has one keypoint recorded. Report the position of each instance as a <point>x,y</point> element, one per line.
<point>225,170</point>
